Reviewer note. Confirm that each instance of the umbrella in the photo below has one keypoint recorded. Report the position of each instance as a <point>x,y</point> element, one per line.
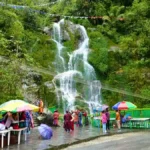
<point>45,131</point>
<point>17,106</point>
<point>124,105</point>
<point>100,108</point>
<point>104,107</point>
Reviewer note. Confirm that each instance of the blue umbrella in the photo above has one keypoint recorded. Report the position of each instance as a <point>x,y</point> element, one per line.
<point>45,131</point>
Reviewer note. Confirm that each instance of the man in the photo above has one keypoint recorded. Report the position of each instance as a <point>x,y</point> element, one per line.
<point>67,121</point>
<point>41,105</point>
<point>118,119</point>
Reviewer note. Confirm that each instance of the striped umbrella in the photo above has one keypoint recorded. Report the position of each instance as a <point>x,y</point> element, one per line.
<point>124,105</point>
<point>17,106</point>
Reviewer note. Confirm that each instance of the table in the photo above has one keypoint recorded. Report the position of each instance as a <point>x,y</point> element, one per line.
<point>139,122</point>
<point>19,133</point>
<point>96,122</point>
<point>3,132</point>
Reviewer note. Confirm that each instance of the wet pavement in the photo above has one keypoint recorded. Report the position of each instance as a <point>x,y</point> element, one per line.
<point>128,141</point>
<point>60,137</point>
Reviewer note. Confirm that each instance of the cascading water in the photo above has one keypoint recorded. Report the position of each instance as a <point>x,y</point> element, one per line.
<point>77,68</point>
<point>57,38</point>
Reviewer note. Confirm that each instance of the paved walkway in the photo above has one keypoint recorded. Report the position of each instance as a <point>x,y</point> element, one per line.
<point>61,138</point>
<point>128,141</point>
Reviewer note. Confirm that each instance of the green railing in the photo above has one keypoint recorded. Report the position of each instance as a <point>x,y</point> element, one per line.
<point>52,109</point>
<point>135,113</point>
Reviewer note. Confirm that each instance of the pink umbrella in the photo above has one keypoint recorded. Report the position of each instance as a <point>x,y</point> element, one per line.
<point>104,107</point>
<point>24,108</point>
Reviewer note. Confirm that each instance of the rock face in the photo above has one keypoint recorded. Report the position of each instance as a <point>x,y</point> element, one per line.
<point>66,36</point>
<point>47,30</point>
<point>67,27</point>
<point>46,119</point>
<point>30,85</point>
<point>49,85</point>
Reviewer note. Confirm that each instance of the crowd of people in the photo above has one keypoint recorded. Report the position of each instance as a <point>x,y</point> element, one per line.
<point>120,119</point>
<point>20,119</point>
<point>70,119</point>
<point>17,120</point>
<point>74,118</point>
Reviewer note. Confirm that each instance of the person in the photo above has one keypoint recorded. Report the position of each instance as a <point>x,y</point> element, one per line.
<point>86,121</point>
<point>9,120</point>
<point>12,120</point>
<point>108,119</point>
<point>41,105</point>
<point>31,117</point>
<point>76,119</point>
<point>126,118</point>
<point>104,121</point>
<point>28,121</point>
<point>118,119</point>
<point>22,120</point>
<point>22,116</point>
<point>56,118</point>
<point>72,121</point>
<point>80,118</point>
<point>15,122</point>
<point>67,121</point>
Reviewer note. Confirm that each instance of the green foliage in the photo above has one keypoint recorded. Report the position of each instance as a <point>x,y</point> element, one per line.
<point>99,52</point>
<point>119,44</point>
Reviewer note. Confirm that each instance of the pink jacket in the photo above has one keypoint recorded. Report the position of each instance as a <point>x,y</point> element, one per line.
<point>104,118</point>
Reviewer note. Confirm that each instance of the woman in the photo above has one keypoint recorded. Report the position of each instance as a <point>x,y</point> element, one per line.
<point>9,120</point>
<point>104,121</point>
<point>76,118</point>
<point>56,118</point>
<point>72,120</point>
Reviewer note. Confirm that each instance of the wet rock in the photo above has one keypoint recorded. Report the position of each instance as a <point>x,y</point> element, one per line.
<point>46,119</point>
<point>47,30</point>
<point>49,85</point>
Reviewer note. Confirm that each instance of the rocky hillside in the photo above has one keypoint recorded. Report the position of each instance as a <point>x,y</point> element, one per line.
<point>119,47</point>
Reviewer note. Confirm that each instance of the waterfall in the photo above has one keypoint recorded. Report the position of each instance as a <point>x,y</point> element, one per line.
<point>76,68</point>
<point>57,38</point>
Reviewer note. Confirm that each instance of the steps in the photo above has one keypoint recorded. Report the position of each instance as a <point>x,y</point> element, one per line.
<point>35,120</point>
